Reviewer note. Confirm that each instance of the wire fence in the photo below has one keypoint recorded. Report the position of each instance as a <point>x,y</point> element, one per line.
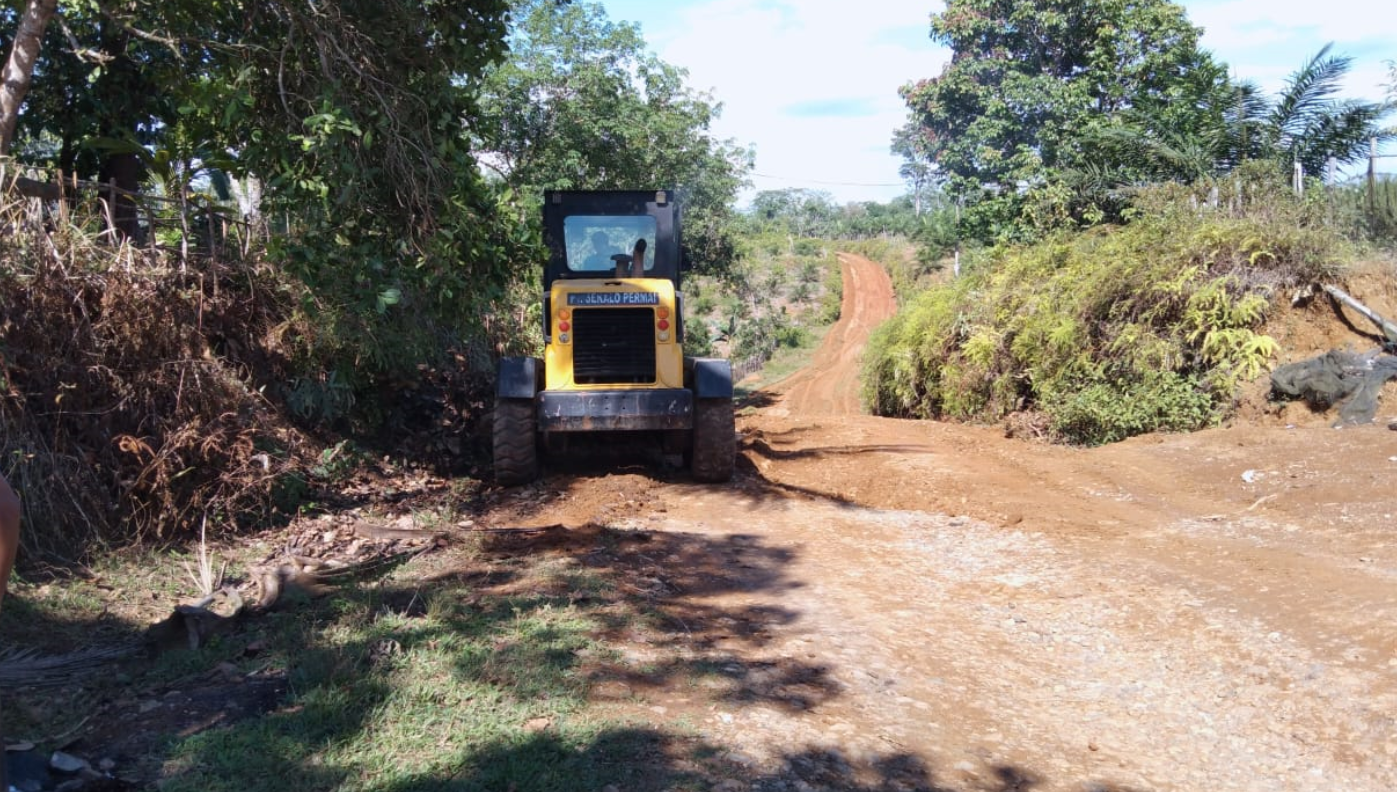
<point>186,226</point>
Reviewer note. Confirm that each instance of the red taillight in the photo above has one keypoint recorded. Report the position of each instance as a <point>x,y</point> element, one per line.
<point>563,327</point>
<point>663,324</point>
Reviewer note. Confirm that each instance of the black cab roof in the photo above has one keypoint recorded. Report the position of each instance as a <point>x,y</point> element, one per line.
<point>584,228</point>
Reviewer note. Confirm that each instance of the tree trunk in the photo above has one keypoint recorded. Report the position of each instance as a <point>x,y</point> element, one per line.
<point>19,68</point>
<point>115,89</point>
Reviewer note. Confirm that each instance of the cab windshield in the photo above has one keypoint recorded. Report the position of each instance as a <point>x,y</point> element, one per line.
<point>592,240</point>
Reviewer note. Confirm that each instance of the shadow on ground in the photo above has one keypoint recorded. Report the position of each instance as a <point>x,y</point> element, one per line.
<point>520,659</point>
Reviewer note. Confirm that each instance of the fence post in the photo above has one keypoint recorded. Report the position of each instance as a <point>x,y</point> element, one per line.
<point>109,210</point>
<point>63,199</point>
<point>1372,173</point>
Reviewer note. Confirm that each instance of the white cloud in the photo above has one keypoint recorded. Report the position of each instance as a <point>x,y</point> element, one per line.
<point>767,60</point>
<point>1238,24</point>
<point>770,63</point>
<point>1267,43</point>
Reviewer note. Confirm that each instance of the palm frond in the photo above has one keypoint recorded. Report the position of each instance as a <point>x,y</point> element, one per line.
<point>1310,91</point>
<point>1342,134</point>
<point>28,668</point>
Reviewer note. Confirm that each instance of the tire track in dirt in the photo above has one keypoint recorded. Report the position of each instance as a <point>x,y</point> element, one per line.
<point>989,613</point>
<point>830,384</point>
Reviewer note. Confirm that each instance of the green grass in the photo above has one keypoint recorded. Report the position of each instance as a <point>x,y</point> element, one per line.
<point>423,679</point>
<point>469,693</point>
<point>486,666</point>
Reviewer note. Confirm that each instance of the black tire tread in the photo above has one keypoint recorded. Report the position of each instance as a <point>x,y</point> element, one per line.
<point>516,441</point>
<point>714,451</point>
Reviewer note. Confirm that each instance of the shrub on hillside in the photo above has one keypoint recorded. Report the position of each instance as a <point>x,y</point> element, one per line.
<point>128,404</point>
<point>1112,331</point>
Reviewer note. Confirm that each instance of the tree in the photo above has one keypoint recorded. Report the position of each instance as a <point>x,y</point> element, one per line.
<point>797,211</point>
<point>19,66</point>
<point>1304,123</point>
<point>1029,81</point>
<point>918,167</point>
<point>350,114</point>
<point>580,103</point>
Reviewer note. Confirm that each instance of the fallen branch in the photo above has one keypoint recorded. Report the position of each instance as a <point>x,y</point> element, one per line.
<point>1389,330</point>
<point>193,626</point>
<point>28,668</point>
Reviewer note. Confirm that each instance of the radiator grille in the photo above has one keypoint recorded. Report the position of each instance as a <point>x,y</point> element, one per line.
<point>613,345</point>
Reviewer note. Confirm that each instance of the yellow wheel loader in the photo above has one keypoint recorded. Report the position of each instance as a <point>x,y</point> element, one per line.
<point>614,359</point>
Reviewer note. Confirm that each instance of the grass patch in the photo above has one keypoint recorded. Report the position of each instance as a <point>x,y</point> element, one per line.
<point>384,700</point>
<point>532,660</point>
<point>465,670</point>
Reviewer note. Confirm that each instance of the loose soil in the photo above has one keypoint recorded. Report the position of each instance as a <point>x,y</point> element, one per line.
<point>910,604</point>
<point>878,604</point>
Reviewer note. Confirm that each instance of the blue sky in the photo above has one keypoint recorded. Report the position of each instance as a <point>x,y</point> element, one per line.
<point>812,84</point>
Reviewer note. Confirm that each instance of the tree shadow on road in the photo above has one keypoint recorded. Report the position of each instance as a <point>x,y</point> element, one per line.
<point>526,660</point>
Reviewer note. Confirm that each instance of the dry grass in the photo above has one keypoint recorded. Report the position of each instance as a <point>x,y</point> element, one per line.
<point>129,399</point>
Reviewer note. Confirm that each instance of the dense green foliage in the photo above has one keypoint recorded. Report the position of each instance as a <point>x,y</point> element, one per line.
<point>1051,113</point>
<point>781,292</point>
<point>813,214</point>
<point>1028,82</point>
<point>1112,332</point>
<point>581,103</point>
<point>1304,124</point>
<point>346,115</point>
<point>1072,125</point>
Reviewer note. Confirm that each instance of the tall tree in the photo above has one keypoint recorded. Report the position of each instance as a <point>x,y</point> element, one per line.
<point>918,167</point>
<point>19,66</point>
<point>348,112</point>
<point>1027,81</point>
<point>581,103</point>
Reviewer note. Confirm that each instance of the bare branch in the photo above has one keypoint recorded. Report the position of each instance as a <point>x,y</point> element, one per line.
<point>82,53</point>
<point>165,41</point>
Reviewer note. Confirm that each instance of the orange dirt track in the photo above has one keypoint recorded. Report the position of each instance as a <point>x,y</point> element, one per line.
<point>922,605</point>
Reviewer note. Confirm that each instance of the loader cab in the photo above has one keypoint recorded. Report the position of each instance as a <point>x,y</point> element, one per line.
<point>588,232</point>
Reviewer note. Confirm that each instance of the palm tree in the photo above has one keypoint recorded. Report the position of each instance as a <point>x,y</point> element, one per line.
<point>1307,125</point>
<point>1304,123</point>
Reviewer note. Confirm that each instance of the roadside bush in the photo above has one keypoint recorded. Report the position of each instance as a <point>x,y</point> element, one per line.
<point>1112,331</point>
<point>831,301</point>
<point>128,409</point>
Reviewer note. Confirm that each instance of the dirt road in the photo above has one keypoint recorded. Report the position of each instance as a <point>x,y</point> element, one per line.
<point>891,604</point>
<point>829,386</point>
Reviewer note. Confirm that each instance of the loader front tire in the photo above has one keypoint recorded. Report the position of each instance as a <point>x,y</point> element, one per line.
<point>713,449</point>
<point>516,441</point>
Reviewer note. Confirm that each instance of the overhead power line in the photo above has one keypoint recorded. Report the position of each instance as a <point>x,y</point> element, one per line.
<point>829,183</point>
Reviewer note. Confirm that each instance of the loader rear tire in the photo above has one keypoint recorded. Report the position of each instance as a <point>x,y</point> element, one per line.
<point>516,441</point>
<point>714,446</point>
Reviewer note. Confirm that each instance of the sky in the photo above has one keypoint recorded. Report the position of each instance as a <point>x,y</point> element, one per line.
<point>812,85</point>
